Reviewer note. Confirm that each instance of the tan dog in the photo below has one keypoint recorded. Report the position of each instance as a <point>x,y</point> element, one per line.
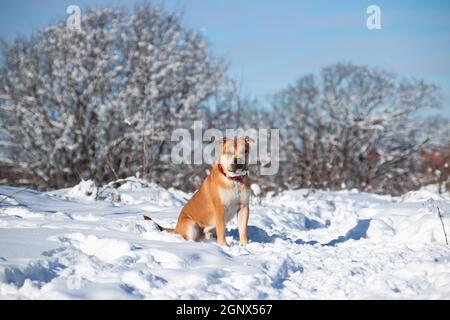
<point>222,195</point>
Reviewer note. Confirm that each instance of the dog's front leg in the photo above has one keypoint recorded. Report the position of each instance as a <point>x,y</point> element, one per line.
<point>220,228</point>
<point>242,224</point>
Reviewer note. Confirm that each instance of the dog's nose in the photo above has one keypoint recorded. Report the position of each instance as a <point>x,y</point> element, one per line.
<point>238,165</point>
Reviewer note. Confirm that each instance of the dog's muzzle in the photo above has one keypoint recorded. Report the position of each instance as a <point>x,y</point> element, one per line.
<point>235,166</point>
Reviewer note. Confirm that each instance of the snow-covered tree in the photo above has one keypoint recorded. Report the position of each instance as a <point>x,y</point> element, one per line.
<point>100,102</point>
<point>352,127</point>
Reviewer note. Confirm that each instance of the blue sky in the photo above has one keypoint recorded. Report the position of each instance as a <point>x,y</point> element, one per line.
<point>269,44</point>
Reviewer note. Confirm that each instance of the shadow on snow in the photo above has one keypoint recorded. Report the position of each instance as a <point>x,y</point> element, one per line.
<point>257,234</point>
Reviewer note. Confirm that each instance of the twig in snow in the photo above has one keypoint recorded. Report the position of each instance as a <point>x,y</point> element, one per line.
<point>442,223</point>
<point>432,205</point>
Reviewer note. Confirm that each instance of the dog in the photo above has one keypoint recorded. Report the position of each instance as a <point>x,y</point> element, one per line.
<point>224,194</point>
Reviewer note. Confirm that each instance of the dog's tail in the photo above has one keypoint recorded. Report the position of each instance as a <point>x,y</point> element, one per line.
<point>171,230</point>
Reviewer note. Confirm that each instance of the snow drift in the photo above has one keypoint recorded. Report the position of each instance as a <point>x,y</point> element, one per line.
<point>88,242</point>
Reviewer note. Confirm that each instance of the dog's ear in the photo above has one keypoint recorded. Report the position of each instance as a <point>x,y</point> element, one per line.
<point>248,139</point>
<point>220,142</point>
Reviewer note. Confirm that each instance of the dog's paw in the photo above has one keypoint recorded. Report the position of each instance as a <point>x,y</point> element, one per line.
<point>223,244</point>
<point>243,243</point>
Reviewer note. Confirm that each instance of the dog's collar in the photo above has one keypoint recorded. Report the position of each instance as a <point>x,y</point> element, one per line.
<point>237,178</point>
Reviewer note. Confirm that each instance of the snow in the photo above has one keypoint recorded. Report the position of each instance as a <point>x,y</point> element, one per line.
<point>65,244</point>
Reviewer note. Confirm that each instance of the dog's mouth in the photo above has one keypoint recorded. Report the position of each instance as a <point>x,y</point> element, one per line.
<point>240,171</point>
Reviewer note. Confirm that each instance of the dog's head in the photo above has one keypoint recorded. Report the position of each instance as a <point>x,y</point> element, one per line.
<point>234,155</point>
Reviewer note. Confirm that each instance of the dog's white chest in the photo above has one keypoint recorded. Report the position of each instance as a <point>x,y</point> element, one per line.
<point>232,200</point>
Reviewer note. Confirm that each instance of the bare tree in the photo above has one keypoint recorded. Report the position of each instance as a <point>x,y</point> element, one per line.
<point>352,127</point>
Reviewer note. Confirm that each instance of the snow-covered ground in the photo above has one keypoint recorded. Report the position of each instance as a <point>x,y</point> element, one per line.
<point>338,245</point>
